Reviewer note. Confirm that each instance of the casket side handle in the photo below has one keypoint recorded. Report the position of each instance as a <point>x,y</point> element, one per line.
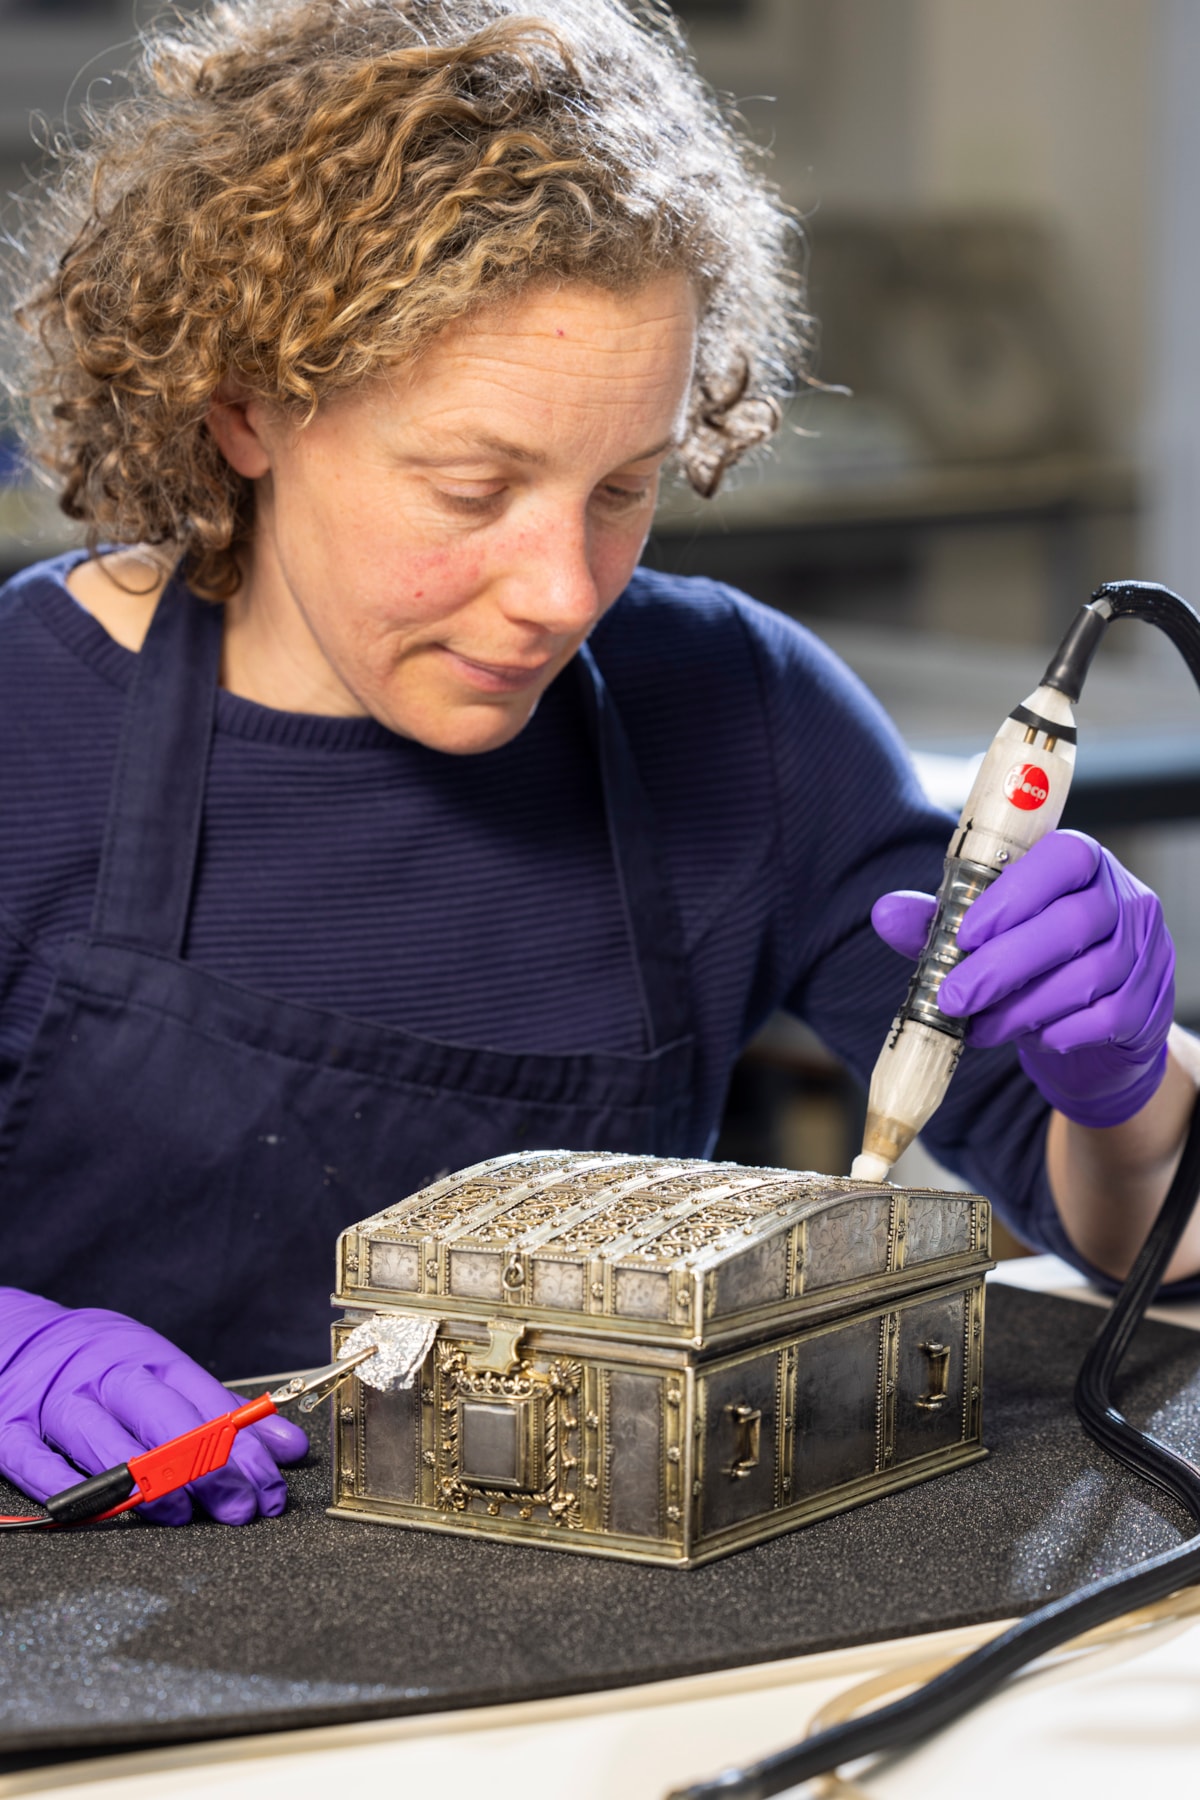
<point>936,1395</point>
<point>748,1425</point>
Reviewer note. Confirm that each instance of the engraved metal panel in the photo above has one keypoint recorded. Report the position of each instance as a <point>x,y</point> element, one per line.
<point>390,1425</point>
<point>395,1266</point>
<point>634,1433</point>
<point>739,1448</point>
<point>836,1407</point>
<point>642,1294</point>
<point>930,1375</point>
<point>755,1278</point>
<point>558,1284</point>
<point>938,1225</point>
<point>476,1274</point>
<point>847,1242</point>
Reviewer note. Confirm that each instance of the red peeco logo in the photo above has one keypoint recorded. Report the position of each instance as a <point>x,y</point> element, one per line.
<point>1027,786</point>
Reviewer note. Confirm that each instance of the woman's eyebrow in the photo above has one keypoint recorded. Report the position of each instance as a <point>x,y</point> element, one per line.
<point>454,446</point>
<point>669,443</point>
<point>460,446</point>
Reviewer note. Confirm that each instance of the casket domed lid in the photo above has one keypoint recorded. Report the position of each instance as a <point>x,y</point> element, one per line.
<point>653,1247</point>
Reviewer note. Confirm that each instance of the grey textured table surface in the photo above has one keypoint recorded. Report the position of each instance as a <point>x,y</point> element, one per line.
<point>128,1635</point>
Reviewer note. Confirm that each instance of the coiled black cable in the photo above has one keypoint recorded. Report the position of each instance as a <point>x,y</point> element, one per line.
<point>917,1715</point>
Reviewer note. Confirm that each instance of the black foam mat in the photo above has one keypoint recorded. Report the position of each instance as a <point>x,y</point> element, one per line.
<point>133,1635</point>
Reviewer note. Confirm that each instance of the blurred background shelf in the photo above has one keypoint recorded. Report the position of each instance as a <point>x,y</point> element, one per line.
<point>992,550</point>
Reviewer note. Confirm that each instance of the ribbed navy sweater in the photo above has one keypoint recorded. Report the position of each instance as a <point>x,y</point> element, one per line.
<point>473,899</point>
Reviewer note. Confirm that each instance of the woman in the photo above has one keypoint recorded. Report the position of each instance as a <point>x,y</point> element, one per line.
<point>367,810</point>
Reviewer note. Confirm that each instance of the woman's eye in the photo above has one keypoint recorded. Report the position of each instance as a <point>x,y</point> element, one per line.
<point>610,495</point>
<point>622,499</point>
<point>470,503</point>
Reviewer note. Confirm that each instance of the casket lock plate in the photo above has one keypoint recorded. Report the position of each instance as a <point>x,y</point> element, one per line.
<point>507,1426</point>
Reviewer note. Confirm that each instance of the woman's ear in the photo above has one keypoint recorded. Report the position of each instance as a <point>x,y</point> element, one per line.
<point>237,424</point>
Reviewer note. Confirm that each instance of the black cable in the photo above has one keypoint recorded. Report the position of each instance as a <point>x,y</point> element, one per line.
<point>1157,606</point>
<point>1145,600</point>
<point>957,1689</point>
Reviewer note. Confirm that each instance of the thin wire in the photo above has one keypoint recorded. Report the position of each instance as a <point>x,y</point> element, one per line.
<point>42,1521</point>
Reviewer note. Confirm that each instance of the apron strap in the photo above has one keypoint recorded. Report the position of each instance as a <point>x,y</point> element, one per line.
<point>652,919</point>
<point>156,803</point>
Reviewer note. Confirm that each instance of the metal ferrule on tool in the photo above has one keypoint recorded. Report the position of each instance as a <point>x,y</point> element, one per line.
<point>962,883</point>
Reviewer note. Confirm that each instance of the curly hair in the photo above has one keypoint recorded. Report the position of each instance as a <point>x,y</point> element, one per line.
<point>295,193</point>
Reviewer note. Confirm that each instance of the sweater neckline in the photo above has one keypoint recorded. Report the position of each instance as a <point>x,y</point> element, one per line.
<point>83,634</point>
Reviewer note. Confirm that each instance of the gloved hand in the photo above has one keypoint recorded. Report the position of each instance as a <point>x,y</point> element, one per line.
<point>100,1388</point>
<point>1070,959</point>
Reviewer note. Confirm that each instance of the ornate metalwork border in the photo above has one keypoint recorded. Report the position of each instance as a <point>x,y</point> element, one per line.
<point>557,1388</point>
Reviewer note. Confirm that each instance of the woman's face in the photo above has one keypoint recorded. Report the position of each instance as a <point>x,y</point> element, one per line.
<point>434,546</point>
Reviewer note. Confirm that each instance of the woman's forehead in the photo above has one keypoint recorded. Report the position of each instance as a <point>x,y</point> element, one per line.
<point>588,325</point>
<point>564,358</point>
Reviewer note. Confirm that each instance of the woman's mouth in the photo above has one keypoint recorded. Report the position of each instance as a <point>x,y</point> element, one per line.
<point>497,678</point>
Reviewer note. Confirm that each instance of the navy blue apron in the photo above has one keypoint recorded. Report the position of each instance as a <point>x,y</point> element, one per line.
<point>185,1150</point>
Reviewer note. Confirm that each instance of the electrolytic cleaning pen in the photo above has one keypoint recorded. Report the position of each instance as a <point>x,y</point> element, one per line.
<point>1018,795</point>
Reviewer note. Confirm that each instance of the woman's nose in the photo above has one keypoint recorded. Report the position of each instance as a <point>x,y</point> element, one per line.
<point>553,585</point>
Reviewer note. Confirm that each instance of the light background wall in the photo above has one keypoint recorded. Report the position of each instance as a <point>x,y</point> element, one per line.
<point>976,105</point>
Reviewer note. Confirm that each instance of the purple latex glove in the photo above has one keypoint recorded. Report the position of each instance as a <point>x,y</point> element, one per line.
<point>100,1388</point>
<point>1070,959</point>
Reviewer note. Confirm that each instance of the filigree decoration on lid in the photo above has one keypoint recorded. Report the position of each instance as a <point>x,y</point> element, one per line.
<point>591,1203</point>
